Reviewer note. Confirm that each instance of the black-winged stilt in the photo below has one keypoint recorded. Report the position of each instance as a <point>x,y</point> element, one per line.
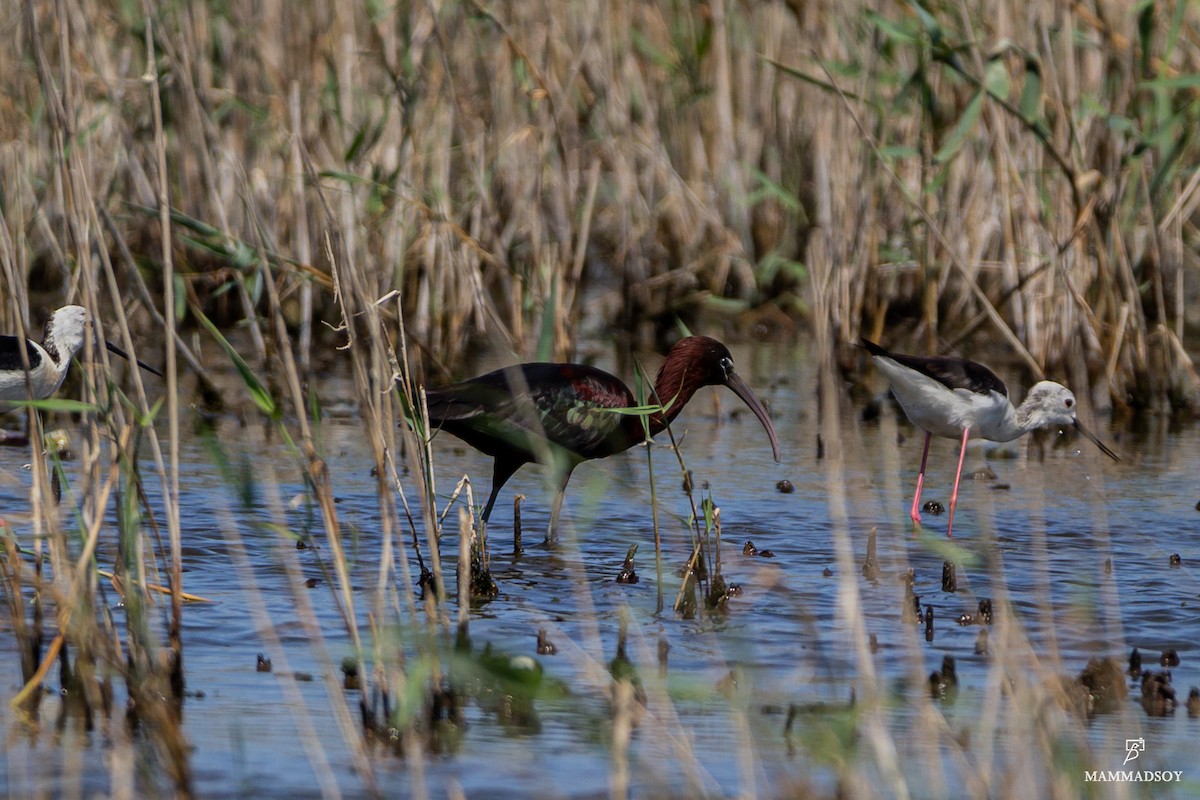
<point>954,397</point>
<point>48,361</point>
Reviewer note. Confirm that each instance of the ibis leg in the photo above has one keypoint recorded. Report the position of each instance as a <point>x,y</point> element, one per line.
<point>487,510</point>
<point>962,453</point>
<point>501,471</point>
<point>556,509</point>
<point>915,513</point>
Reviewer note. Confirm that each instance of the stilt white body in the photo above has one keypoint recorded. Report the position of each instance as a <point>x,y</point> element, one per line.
<point>48,361</point>
<point>954,397</point>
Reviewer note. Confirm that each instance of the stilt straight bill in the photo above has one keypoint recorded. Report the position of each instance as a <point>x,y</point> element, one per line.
<point>47,362</point>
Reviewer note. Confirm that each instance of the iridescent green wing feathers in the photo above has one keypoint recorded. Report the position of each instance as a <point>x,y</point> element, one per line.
<point>509,410</point>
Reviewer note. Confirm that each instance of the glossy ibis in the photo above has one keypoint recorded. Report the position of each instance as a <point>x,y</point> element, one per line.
<point>48,361</point>
<point>563,414</point>
<point>954,397</point>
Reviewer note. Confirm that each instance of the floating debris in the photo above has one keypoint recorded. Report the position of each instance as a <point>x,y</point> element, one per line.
<point>264,664</point>
<point>1176,560</point>
<point>929,623</point>
<point>312,583</point>
<point>719,592</point>
<point>481,584</point>
<point>1105,684</point>
<point>814,708</point>
<point>750,550</point>
<point>933,507</point>
<point>628,574</point>
<point>1193,702</point>
<point>1169,658</point>
<point>350,679</point>
<point>427,583</point>
<point>870,567</point>
<point>1158,695</point>
<point>58,442</point>
<point>985,611</point>
<point>785,487</point>
<point>943,683</point>
<point>517,547</point>
<point>910,608</point>
<point>664,650</point>
<point>981,642</point>
<point>622,669</point>
<point>983,473</point>
<point>949,580</point>
<point>874,643</point>
<point>1108,566</point>
<point>545,647</point>
<point>827,572</point>
<point>1135,664</point>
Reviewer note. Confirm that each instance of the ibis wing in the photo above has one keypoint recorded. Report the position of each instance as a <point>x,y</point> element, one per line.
<point>524,408</point>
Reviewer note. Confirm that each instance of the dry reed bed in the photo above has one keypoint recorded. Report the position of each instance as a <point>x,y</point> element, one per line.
<point>533,172</point>
<point>495,164</point>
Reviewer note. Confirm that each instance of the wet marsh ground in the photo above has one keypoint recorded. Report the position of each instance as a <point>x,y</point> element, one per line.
<point>812,679</point>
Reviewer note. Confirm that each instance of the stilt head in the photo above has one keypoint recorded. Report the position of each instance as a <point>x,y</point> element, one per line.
<point>64,334</point>
<point>1050,403</point>
<point>64,338</point>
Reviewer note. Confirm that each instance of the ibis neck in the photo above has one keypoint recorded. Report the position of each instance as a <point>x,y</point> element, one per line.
<point>673,387</point>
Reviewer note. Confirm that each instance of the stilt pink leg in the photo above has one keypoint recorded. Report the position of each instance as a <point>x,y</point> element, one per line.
<point>915,513</point>
<point>957,477</point>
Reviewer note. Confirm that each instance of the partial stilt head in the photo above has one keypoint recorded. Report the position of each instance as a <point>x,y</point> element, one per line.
<point>64,335</point>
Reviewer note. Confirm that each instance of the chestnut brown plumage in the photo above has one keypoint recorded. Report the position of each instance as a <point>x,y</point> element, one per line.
<point>563,414</point>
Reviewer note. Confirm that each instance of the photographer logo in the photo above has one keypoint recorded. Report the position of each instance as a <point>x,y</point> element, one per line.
<point>1133,750</point>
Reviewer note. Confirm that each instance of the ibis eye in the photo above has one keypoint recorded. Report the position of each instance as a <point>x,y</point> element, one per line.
<point>1069,402</point>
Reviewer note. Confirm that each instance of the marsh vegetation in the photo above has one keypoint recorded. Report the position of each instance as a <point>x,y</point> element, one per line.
<point>307,212</point>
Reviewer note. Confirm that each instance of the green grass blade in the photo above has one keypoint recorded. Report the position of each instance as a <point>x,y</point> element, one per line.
<point>258,393</point>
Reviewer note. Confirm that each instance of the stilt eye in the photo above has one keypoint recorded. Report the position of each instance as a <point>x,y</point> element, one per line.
<point>1070,401</point>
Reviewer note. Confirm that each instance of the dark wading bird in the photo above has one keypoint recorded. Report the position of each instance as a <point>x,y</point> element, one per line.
<point>954,397</point>
<point>48,361</point>
<point>563,414</point>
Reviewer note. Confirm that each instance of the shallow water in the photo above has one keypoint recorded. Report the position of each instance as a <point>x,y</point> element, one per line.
<point>1040,533</point>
